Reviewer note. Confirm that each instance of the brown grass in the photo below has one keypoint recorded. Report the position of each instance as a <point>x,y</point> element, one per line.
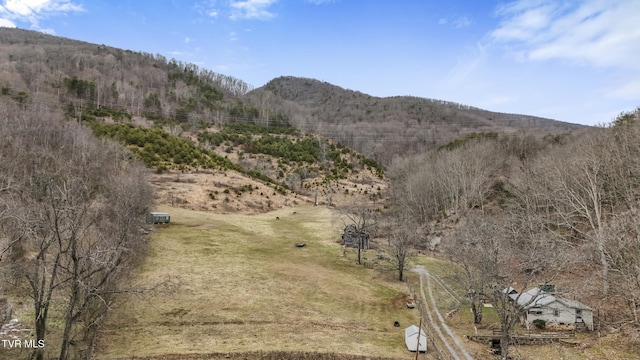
<point>260,355</point>
<point>238,284</point>
<point>205,191</point>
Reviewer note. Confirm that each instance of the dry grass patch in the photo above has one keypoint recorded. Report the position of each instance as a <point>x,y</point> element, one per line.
<point>239,284</point>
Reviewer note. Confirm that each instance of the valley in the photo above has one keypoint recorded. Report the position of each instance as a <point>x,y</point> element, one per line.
<point>460,205</point>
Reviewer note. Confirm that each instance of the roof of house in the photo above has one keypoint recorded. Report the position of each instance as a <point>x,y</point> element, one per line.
<point>537,297</point>
<point>509,290</point>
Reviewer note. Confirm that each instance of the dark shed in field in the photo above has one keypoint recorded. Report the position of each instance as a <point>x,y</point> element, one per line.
<point>158,218</point>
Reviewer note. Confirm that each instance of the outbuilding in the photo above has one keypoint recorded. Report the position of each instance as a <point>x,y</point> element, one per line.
<point>158,218</point>
<point>415,339</point>
<point>352,237</point>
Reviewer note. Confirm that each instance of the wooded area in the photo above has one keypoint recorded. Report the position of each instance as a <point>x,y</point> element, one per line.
<point>72,210</point>
<point>535,211</point>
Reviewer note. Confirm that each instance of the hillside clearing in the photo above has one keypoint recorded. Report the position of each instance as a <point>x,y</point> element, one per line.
<point>238,284</point>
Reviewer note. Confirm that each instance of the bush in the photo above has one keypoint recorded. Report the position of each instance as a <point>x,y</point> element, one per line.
<point>540,324</point>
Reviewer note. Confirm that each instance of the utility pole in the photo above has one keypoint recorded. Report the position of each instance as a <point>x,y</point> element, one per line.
<point>418,342</point>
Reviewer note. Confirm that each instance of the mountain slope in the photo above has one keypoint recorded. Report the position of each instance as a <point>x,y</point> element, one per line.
<point>75,76</point>
<point>384,127</point>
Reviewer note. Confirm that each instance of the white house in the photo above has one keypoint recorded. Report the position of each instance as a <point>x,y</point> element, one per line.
<point>553,309</point>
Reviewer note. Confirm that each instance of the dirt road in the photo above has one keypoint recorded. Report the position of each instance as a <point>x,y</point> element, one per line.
<point>448,342</point>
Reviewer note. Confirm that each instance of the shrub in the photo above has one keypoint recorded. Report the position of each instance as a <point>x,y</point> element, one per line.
<point>540,324</point>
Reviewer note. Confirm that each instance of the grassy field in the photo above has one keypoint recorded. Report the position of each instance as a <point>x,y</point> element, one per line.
<point>238,283</point>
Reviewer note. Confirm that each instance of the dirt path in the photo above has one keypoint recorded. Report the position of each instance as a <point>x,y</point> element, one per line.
<point>437,324</point>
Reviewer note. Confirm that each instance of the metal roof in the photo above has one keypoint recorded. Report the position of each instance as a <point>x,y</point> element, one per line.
<point>536,297</point>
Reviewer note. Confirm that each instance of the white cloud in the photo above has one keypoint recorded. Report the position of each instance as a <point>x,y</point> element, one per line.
<point>591,32</point>
<point>32,11</point>
<point>522,20</point>
<point>208,7</point>
<point>188,40</point>
<point>442,21</point>
<point>251,9</point>
<point>7,23</point>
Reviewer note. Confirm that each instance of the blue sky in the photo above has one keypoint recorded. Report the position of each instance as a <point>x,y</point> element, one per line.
<point>575,61</point>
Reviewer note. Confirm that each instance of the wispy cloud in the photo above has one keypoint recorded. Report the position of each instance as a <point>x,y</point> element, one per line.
<point>251,9</point>
<point>593,32</point>
<point>458,23</point>
<point>32,11</point>
<point>208,8</point>
<point>461,22</point>
<point>474,58</point>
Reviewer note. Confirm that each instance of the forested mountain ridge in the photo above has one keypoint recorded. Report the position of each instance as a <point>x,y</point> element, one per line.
<point>152,86</point>
<point>386,127</point>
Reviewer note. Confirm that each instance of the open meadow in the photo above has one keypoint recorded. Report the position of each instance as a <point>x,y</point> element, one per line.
<point>237,283</point>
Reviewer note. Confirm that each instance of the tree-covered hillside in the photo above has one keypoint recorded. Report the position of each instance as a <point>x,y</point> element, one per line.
<point>88,80</point>
<point>519,211</point>
<point>386,127</point>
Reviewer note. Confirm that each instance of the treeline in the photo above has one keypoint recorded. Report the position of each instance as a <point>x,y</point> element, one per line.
<point>72,211</point>
<point>89,76</point>
<point>520,211</point>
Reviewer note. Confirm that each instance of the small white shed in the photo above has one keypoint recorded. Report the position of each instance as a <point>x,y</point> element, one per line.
<point>412,341</point>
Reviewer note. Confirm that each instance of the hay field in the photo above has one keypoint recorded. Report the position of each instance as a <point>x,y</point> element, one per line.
<point>237,283</point>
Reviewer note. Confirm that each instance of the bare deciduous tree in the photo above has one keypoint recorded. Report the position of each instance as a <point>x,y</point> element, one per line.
<point>401,240</point>
<point>476,269</point>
